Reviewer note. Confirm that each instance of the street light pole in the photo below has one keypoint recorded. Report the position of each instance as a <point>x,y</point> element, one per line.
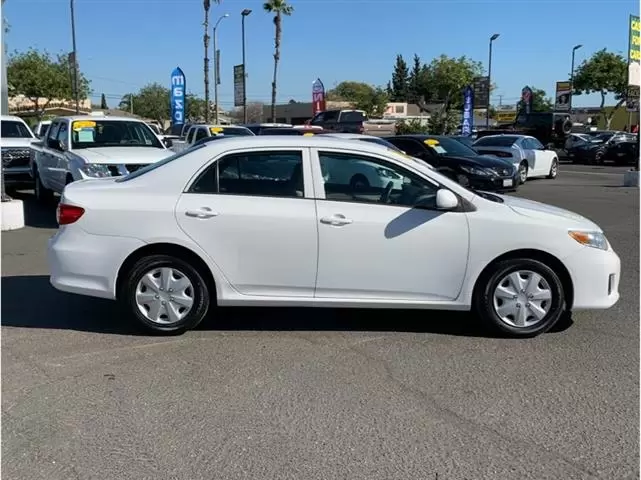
<point>216,67</point>
<point>574,49</point>
<point>75,59</point>
<point>489,81</point>
<point>244,13</point>
<point>4,105</point>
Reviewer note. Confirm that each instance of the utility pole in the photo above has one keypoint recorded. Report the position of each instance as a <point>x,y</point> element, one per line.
<point>217,67</point>
<point>131,103</point>
<point>500,100</point>
<point>75,58</point>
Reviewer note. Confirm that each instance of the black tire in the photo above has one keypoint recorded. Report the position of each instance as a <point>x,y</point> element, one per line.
<point>523,168</point>
<point>483,302</point>
<point>42,193</point>
<point>200,294</point>
<point>554,169</point>
<point>359,182</point>
<point>598,157</point>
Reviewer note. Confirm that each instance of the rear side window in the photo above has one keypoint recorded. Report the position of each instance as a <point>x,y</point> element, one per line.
<point>495,142</point>
<point>353,117</point>
<point>266,174</point>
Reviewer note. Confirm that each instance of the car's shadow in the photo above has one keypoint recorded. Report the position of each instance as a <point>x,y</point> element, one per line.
<point>31,302</point>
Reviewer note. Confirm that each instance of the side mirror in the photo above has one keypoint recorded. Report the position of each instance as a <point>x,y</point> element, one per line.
<point>53,143</point>
<point>446,200</point>
<point>168,142</point>
<point>62,146</point>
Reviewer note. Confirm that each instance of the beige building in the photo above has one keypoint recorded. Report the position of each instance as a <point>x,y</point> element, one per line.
<point>23,106</point>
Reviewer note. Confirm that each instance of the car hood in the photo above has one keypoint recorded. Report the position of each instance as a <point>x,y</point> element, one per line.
<point>119,155</point>
<point>485,161</point>
<point>532,209</point>
<point>16,142</point>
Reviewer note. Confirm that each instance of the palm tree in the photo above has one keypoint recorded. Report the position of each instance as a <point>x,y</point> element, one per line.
<point>278,8</point>
<point>206,7</point>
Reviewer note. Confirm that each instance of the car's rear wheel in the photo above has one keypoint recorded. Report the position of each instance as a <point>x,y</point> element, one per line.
<point>519,297</point>
<point>42,193</point>
<point>554,169</point>
<point>522,172</point>
<point>165,294</point>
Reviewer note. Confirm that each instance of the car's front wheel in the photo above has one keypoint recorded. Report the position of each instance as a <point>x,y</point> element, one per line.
<point>165,294</point>
<point>522,172</point>
<point>519,297</point>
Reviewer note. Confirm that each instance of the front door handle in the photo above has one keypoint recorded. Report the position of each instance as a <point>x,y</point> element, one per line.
<point>337,220</point>
<point>203,212</point>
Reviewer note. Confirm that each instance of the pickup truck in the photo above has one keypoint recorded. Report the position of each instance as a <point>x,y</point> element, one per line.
<point>198,132</point>
<point>16,150</point>
<point>81,147</point>
<point>352,121</point>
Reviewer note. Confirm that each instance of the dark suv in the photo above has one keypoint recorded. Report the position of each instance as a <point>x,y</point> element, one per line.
<point>547,127</point>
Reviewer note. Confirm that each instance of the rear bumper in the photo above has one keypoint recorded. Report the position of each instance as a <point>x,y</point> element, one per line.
<point>595,276</point>
<point>87,264</point>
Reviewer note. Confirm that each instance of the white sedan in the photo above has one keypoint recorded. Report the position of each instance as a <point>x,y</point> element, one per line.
<point>529,156</point>
<point>251,221</point>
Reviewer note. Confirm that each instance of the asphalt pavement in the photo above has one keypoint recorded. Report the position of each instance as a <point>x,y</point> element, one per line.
<point>321,394</point>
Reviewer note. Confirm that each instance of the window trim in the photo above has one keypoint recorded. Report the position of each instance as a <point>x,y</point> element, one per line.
<point>308,187</point>
<point>319,184</point>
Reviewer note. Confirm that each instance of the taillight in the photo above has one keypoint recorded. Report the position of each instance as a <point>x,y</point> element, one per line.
<point>67,214</point>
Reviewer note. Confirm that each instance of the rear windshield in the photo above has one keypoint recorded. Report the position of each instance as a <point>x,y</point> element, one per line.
<point>13,129</point>
<point>495,142</point>
<point>352,117</point>
<point>158,164</point>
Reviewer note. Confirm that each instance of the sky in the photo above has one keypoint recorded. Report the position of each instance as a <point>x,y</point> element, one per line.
<point>125,44</point>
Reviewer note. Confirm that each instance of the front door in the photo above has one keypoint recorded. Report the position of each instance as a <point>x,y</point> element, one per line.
<point>250,213</point>
<point>372,242</point>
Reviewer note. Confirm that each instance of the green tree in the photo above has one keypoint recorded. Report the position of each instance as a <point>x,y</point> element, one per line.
<point>103,102</point>
<point>152,102</point>
<point>445,78</point>
<point>444,122</point>
<point>540,101</point>
<point>278,8</point>
<point>373,100</point>
<point>605,73</point>
<point>400,78</point>
<point>415,81</point>
<point>410,127</point>
<point>196,108</point>
<point>41,78</point>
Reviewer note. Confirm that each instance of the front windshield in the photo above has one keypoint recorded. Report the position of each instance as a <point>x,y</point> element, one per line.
<point>604,137</point>
<point>449,146</point>
<point>231,131</point>
<point>14,129</point>
<point>112,133</point>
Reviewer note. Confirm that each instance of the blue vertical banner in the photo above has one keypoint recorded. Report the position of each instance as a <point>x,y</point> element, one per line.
<point>468,111</point>
<point>177,97</point>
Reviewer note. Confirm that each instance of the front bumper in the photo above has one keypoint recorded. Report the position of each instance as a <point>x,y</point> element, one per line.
<point>17,175</point>
<point>595,275</point>
<point>494,184</point>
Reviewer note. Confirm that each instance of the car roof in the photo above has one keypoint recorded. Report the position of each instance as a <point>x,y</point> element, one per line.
<point>11,118</point>
<point>293,141</point>
<point>96,118</point>
<point>515,137</point>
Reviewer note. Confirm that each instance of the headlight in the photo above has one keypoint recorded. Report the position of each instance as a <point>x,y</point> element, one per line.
<point>476,171</point>
<point>590,239</point>
<point>383,172</point>
<point>93,170</point>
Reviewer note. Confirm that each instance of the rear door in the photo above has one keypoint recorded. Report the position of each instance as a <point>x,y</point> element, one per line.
<point>253,212</point>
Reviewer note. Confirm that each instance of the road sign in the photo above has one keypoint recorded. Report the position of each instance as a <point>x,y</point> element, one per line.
<point>239,86</point>
<point>632,99</point>
<point>481,91</point>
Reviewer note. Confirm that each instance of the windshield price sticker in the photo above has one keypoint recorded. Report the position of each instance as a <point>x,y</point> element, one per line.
<point>215,130</point>
<point>79,125</point>
<point>431,142</point>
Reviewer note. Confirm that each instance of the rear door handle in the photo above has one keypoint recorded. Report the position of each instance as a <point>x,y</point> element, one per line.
<point>336,220</point>
<point>203,212</point>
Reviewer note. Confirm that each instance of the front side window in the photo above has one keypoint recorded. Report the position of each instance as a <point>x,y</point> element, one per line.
<point>267,174</point>
<point>14,129</point>
<point>52,133</point>
<point>200,134</point>
<point>62,133</point>
<point>92,133</point>
<point>354,178</point>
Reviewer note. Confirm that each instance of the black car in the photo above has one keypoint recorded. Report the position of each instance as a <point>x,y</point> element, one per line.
<point>467,140</point>
<point>459,162</point>
<point>618,147</point>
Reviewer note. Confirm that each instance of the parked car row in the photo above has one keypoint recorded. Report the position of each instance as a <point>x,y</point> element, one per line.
<point>597,147</point>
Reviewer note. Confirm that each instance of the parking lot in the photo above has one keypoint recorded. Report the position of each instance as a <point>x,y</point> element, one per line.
<point>305,394</point>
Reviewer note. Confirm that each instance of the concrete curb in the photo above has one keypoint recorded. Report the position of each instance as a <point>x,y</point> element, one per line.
<point>12,215</point>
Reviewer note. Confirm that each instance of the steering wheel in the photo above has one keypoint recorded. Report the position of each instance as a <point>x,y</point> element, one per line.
<point>385,196</point>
